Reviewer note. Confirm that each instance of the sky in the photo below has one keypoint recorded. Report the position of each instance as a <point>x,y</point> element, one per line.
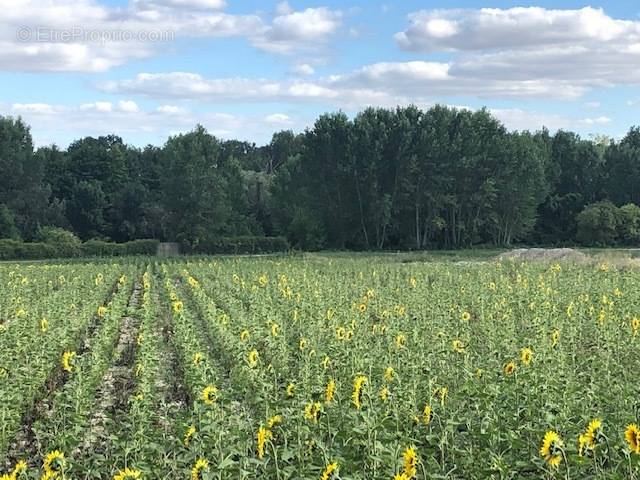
<point>148,69</point>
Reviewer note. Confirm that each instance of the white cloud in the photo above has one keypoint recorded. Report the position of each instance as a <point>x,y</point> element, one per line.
<point>88,36</point>
<point>494,28</point>
<point>533,48</point>
<point>292,31</point>
<point>596,121</point>
<point>65,123</point>
<point>303,69</point>
<point>278,119</point>
<point>592,104</point>
<point>128,106</point>
<point>103,107</point>
<point>171,109</point>
<point>39,108</point>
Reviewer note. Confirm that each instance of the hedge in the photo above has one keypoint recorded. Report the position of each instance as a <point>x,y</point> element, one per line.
<point>17,250</point>
<point>240,245</point>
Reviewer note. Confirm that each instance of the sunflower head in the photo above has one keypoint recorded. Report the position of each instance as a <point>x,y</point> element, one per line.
<point>526,355</point>
<point>410,463</point>
<point>128,474</point>
<point>54,461</point>
<point>632,436</point>
<point>330,469</point>
<point>551,449</point>
<point>200,465</point>
<point>509,368</point>
<point>209,395</point>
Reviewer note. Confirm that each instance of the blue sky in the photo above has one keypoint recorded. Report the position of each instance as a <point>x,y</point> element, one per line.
<point>245,69</point>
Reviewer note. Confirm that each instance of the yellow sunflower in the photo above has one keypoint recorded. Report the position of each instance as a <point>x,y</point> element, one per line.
<point>330,391</point>
<point>200,465</point>
<point>410,463</point>
<point>632,436</point>
<point>358,385</point>
<point>526,355</point>
<point>551,449</point>
<point>127,474</point>
<point>329,471</point>
<point>509,368</point>
<point>209,395</point>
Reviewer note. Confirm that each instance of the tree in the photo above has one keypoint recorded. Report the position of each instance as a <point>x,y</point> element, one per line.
<point>598,224</point>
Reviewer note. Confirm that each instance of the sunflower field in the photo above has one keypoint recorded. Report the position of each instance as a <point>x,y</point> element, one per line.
<point>319,368</point>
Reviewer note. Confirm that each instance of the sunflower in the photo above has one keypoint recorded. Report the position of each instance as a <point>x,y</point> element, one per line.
<point>253,358</point>
<point>388,374</point>
<point>196,471</point>
<point>177,306</point>
<point>197,358</point>
<point>291,390</point>
<point>410,463</point>
<point>275,420</point>
<point>551,449</point>
<point>191,431</point>
<point>442,392</point>
<point>632,436</point>
<point>400,476</point>
<point>209,395</point>
<point>358,384</point>
<point>384,394</point>
<point>457,346</point>
<point>362,307</point>
<point>127,473</point>
<point>329,470</point>
<point>102,311</point>
<point>330,391</point>
<point>264,434</point>
<point>401,340</point>
<point>466,316</point>
<point>44,325</point>
<point>312,411</point>
<point>275,329</point>
<point>427,414</point>
<point>244,335</point>
<point>19,469</point>
<point>54,461</point>
<point>594,430</point>
<point>526,355</point>
<point>509,368</point>
<point>67,361</point>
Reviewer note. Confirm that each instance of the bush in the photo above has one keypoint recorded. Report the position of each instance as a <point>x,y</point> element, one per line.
<point>18,250</point>
<point>598,224</point>
<point>240,245</point>
<point>629,231</point>
<point>66,242</point>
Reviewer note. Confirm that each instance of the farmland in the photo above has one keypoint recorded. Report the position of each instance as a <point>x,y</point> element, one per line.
<point>318,367</point>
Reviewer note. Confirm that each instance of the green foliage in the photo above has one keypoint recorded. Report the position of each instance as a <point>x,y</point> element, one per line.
<point>7,224</point>
<point>629,231</point>
<point>598,224</point>
<point>240,245</point>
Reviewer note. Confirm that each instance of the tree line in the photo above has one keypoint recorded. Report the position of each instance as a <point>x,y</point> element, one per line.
<point>399,178</point>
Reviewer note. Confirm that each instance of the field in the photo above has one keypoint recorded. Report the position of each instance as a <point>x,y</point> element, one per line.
<point>319,367</point>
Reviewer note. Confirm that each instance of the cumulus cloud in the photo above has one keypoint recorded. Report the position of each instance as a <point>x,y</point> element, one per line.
<point>494,28</point>
<point>64,123</point>
<point>303,69</point>
<point>292,31</point>
<point>577,50</point>
<point>380,84</point>
<point>89,36</point>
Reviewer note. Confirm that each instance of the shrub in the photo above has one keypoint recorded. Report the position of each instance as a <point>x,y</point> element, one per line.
<point>629,228</point>
<point>240,245</point>
<point>66,242</point>
<point>598,224</point>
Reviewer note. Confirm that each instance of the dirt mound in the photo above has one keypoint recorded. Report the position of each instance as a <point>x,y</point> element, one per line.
<point>544,255</point>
